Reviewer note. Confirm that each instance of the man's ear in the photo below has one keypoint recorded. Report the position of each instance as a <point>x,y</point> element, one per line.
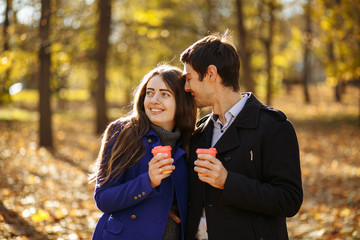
<point>211,72</point>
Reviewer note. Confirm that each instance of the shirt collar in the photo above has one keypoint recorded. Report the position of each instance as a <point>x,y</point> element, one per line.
<point>233,111</point>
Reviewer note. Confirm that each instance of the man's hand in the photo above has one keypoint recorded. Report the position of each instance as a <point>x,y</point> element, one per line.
<point>211,170</point>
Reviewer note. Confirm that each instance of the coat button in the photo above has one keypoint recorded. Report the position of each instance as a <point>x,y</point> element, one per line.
<point>143,193</point>
<point>133,217</point>
<point>227,158</point>
<point>139,196</point>
<point>135,198</point>
<point>149,140</point>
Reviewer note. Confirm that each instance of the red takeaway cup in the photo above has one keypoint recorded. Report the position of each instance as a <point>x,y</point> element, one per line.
<point>211,151</point>
<point>162,149</point>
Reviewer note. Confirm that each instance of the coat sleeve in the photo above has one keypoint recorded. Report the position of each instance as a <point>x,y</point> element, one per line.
<point>121,196</point>
<point>123,192</point>
<point>279,192</point>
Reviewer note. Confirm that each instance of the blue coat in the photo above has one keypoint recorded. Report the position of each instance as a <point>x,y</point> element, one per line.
<point>132,208</point>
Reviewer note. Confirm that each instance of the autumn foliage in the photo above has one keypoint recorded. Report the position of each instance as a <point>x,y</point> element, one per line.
<point>44,193</point>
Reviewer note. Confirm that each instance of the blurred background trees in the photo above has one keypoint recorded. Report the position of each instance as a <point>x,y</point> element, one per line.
<point>45,130</point>
<point>99,50</point>
<point>67,67</point>
<point>102,36</point>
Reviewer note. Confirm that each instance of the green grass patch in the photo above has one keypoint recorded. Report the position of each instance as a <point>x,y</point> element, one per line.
<point>12,114</point>
<point>76,115</point>
<point>27,95</point>
<point>32,95</point>
<point>115,95</point>
<point>75,94</point>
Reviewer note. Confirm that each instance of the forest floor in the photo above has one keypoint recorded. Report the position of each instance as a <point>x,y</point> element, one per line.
<point>44,193</point>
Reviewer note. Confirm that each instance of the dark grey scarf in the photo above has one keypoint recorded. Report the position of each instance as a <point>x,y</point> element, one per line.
<point>167,137</point>
<point>172,230</point>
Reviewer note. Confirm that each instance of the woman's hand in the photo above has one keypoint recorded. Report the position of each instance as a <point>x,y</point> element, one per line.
<point>157,166</point>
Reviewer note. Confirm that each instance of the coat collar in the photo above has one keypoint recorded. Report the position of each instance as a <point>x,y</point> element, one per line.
<point>156,142</point>
<point>247,118</point>
<point>249,115</point>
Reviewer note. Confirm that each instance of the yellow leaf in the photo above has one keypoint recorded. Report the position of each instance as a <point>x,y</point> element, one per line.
<point>318,216</point>
<point>40,215</point>
<point>5,192</point>
<point>345,212</point>
<point>60,213</point>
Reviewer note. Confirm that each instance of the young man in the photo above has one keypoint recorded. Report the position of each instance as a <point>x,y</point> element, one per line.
<point>254,182</point>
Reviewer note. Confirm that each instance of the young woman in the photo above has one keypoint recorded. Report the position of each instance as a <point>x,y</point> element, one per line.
<point>138,199</point>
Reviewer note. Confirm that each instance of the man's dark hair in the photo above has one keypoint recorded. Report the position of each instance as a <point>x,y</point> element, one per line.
<point>218,51</point>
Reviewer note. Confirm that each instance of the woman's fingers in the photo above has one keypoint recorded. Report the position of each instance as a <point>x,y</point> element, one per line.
<point>160,167</point>
<point>157,158</point>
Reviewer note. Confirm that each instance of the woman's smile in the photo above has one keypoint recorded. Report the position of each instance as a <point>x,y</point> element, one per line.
<point>159,103</point>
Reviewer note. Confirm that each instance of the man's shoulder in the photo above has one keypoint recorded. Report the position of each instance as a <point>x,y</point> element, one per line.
<point>274,113</point>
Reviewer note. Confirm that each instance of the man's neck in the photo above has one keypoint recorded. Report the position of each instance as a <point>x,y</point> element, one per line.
<point>224,101</point>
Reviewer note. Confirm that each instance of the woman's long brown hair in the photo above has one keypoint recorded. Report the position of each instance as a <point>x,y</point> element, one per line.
<point>128,147</point>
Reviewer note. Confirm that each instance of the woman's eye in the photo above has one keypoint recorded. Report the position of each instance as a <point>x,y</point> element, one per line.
<point>149,93</point>
<point>165,94</point>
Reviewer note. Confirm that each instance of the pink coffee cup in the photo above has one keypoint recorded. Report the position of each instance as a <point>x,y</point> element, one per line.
<point>211,151</point>
<point>162,149</point>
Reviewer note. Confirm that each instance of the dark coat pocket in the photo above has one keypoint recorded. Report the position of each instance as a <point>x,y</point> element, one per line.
<point>114,225</point>
<point>264,228</point>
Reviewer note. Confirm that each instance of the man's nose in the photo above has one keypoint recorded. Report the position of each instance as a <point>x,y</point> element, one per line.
<point>187,87</point>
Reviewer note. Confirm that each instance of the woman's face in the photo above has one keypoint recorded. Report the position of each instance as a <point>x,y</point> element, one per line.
<point>159,103</point>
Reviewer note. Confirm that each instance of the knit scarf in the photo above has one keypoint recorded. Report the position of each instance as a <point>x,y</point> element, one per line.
<point>167,137</point>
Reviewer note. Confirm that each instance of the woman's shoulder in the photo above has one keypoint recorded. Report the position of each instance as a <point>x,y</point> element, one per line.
<point>118,124</point>
<point>114,128</point>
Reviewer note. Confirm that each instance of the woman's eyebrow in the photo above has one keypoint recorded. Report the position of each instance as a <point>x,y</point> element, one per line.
<point>165,89</point>
<point>161,89</point>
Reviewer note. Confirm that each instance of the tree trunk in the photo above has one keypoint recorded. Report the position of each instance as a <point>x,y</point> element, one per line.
<point>243,51</point>
<point>6,25</point>
<point>44,76</point>
<point>268,46</point>
<point>268,70</point>
<point>209,22</point>
<point>332,59</point>
<point>308,41</point>
<point>5,80</point>
<point>338,91</point>
<point>101,57</point>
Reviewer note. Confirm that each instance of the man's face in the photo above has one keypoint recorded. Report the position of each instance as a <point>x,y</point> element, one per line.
<point>196,87</point>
